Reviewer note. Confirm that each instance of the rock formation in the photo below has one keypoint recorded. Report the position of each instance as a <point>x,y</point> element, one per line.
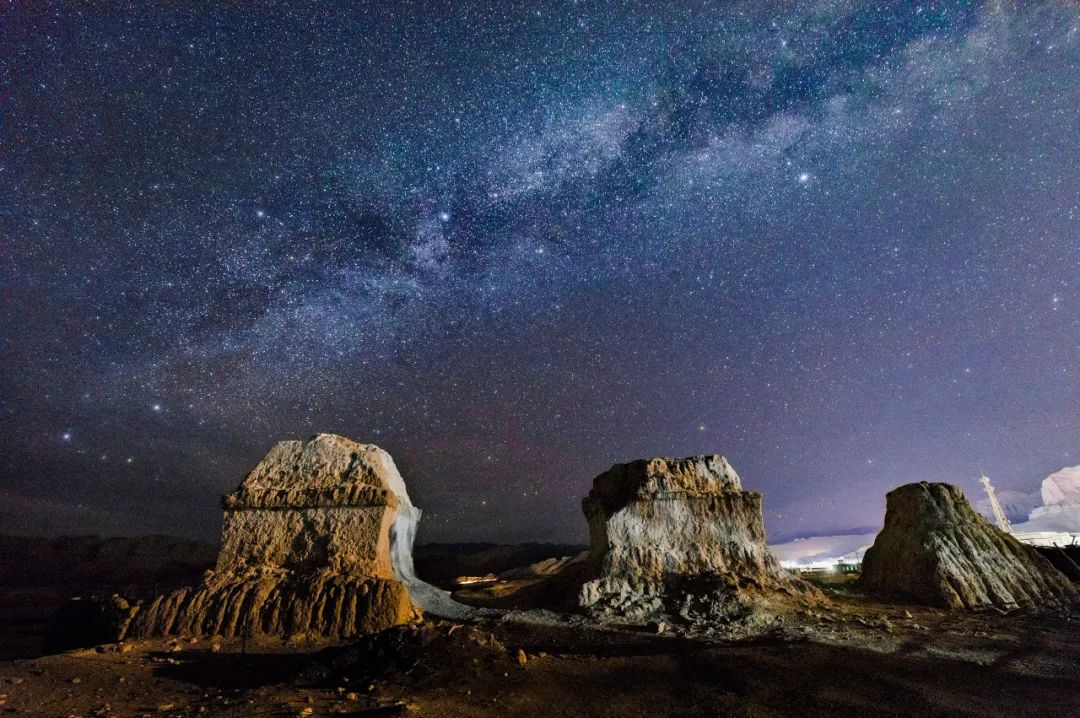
<point>936,549</point>
<point>680,537</point>
<point>317,540</point>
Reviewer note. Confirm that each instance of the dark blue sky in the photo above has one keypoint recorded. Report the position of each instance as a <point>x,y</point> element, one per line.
<point>838,242</point>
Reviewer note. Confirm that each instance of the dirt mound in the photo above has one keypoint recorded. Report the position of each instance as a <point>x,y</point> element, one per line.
<point>936,549</point>
<point>428,653</point>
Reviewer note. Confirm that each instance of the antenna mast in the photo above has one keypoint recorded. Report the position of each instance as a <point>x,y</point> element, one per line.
<point>999,515</point>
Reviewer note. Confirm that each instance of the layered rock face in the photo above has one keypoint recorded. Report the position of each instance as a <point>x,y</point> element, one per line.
<point>936,549</point>
<point>679,537</point>
<point>317,540</point>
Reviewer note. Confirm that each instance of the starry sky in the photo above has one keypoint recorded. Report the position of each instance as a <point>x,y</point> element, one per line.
<point>515,243</point>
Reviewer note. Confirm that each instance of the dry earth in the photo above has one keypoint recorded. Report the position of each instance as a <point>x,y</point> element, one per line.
<point>858,657</point>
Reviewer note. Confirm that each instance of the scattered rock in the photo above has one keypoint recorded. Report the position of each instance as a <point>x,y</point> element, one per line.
<point>423,652</point>
<point>936,549</point>
<point>522,659</point>
<point>90,621</point>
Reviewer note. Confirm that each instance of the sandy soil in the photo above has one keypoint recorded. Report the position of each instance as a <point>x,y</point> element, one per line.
<point>855,658</point>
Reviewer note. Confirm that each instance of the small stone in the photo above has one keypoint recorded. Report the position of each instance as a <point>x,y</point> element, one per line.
<point>907,614</point>
<point>352,696</point>
<point>522,659</point>
<point>166,706</point>
<point>308,710</point>
<point>76,680</point>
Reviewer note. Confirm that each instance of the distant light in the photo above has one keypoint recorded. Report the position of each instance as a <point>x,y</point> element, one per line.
<point>66,436</point>
<point>157,407</point>
<point>804,178</point>
<point>444,216</point>
<point>260,213</point>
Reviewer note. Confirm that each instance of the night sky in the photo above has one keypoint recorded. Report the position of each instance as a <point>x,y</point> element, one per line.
<point>514,243</point>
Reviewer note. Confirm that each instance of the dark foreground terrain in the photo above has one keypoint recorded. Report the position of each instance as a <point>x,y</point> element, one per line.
<point>856,658</point>
<point>851,656</point>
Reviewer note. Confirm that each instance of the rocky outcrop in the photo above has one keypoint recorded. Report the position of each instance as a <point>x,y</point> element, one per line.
<point>680,537</point>
<point>89,621</point>
<point>935,549</point>
<point>316,541</point>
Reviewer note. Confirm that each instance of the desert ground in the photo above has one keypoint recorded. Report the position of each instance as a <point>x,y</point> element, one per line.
<point>854,656</point>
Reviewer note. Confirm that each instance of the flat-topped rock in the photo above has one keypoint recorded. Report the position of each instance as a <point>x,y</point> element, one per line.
<point>936,549</point>
<point>679,536</point>
<point>326,470</point>
<point>316,540</point>
<point>325,503</point>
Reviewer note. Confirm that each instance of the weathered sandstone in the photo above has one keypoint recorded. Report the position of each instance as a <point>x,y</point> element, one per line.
<point>317,540</point>
<point>936,549</point>
<point>680,537</point>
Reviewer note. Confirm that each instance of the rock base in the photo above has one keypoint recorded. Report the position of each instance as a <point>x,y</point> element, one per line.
<point>278,603</point>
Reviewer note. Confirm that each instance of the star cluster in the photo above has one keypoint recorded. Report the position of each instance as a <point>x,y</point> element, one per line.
<point>838,242</point>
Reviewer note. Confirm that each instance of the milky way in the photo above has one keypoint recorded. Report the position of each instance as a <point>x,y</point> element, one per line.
<point>837,242</point>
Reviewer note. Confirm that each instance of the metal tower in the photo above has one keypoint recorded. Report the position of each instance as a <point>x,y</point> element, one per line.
<point>999,515</point>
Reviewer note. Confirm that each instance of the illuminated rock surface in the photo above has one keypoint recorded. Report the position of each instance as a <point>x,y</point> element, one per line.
<point>680,537</point>
<point>934,548</point>
<point>317,541</point>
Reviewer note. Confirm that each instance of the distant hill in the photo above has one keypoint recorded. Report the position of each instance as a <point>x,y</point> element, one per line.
<point>93,560</point>
<point>440,564</point>
<point>38,575</point>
